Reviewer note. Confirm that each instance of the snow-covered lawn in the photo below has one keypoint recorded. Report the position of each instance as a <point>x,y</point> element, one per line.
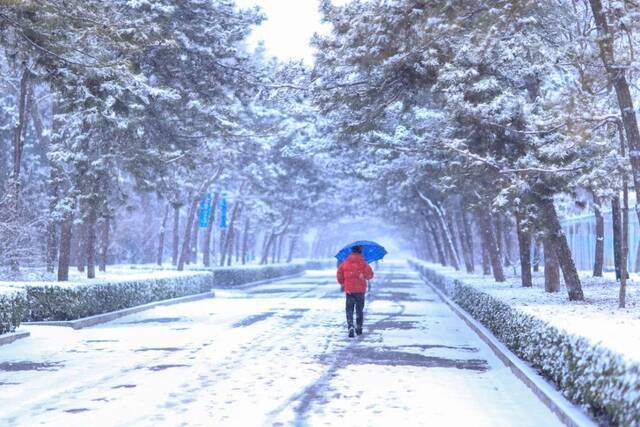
<point>273,354</point>
<point>597,318</point>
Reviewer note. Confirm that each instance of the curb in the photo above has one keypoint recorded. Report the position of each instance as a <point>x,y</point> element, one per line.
<point>260,282</point>
<point>97,319</point>
<point>112,315</point>
<point>13,336</point>
<point>568,413</point>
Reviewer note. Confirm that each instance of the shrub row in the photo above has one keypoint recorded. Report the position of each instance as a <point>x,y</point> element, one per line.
<point>13,305</point>
<point>602,381</point>
<point>68,301</point>
<point>234,276</point>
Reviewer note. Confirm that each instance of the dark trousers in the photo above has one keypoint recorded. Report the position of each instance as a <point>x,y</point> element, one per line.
<point>355,300</point>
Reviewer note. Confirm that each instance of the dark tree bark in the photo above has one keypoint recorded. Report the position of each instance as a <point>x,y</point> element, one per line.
<point>467,226</point>
<point>65,248</point>
<point>616,233</point>
<point>281,241</point>
<point>436,239</point>
<point>206,243</point>
<point>624,245</point>
<point>508,241</point>
<point>161,234</point>
<point>489,243</point>
<point>551,267</point>
<point>245,241</point>
<point>599,249</point>
<point>228,244</point>
<point>237,247</point>
<point>267,247</point>
<point>81,246</point>
<point>616,74</point>
<point>467,254</point>
<point>175,234</point>
<point>524,247</point>
<point>52,224</point>
<point>193,255</point>
<point>104,243</point>
<point>498,223</point>
<point>486,263</point>
<point>92,218</point>
<point>231,239</point>
<point>184,253</point>
<point>568,267</point>
<point>15,181</point>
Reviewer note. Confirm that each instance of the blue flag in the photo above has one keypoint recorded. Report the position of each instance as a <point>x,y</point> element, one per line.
<point>223,212</point>
<point>205,210</point>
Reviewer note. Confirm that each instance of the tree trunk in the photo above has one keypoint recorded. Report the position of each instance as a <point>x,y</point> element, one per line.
<point>104,243</point>
<point>81,247</point>
<point>536,255</point>
<point>466,224</point>
<point>486,263</point>
<point>228,244</point>
<point>184,253</point>
<point>163,227</point>
<point>624,247</point>
<point>52,224</point>
<point>206,244</point>
<point>245,240</point>
<point>617,77</point>
<point>175,235</point>
<point>616,233</point>
<point>489,243</point>
<point>436,238</point>
<point>551,267</point>
<point>15,183</point>
<point>524,246</point>
<point>467,255</point>
<point>497,220</point>
<point>231,239</point>
<point>280,245</point>
<point>92,217</point>
<point>237,247</point>
<point>569,271</point>
<point>448,239</point>
<point>599,249</point>
<point>193,256</point>
<point>65,248</point>
<point>292,245</point>
<point>267,246</point>
<point>508,240</point>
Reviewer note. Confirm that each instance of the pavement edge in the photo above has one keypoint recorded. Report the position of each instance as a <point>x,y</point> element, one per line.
<point>568,413</point>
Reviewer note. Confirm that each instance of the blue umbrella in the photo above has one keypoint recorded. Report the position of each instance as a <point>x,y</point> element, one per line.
<point>371,251</point>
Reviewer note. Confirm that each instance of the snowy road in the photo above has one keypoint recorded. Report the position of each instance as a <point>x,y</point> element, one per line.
<point>274,354</point>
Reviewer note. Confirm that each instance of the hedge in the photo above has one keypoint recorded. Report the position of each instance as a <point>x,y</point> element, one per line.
<point>69,301</point>
<point>13,305</point>
<point>604,382</point>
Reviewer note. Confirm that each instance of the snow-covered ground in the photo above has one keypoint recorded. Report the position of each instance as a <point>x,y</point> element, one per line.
<point>113,274</point>
<point>274,354</point>
<point>597,318</point>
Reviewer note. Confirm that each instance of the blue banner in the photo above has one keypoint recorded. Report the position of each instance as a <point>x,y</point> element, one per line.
<point>223,211</point>
<point>205,210</point>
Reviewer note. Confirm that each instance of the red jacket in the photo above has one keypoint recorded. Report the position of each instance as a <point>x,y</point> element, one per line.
<point>353,274</point>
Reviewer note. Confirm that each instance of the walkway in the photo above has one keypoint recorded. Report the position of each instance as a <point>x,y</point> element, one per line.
<point>274,354</point>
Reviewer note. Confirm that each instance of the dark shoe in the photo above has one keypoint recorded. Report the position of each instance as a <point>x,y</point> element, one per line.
<point>358,331</point>
<point>351,334</point>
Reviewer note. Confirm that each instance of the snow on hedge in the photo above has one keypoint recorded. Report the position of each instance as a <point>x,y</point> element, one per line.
<point>13,305</point>
<point>44,301</point>
<point>604,381</point>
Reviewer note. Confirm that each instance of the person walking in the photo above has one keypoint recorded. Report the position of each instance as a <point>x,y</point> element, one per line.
<point>352,275</point>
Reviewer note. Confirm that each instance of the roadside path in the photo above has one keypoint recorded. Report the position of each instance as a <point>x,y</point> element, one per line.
<point>273,354</point>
